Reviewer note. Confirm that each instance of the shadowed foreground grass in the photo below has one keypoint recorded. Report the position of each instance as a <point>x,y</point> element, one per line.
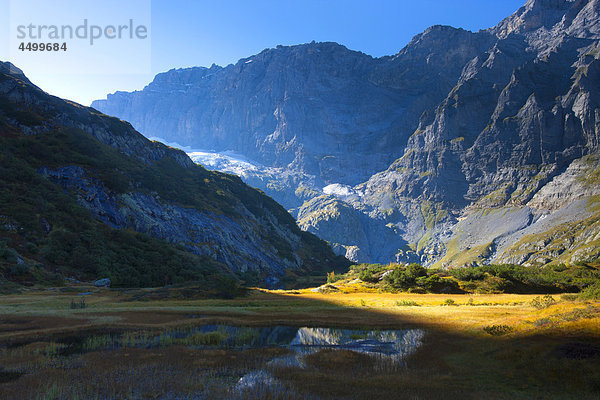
<point>481,346</point>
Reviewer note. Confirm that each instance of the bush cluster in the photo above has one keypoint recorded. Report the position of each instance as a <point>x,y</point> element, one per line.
<point>498,330</point>
<point>413,277</point>
<point>509,278</point>
<point>543,302</point>
<point>591,292</point>
<point>505,278</point>
<point>417,279</point>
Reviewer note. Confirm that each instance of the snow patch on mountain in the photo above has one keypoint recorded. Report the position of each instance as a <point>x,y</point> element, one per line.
<point>227,161</point>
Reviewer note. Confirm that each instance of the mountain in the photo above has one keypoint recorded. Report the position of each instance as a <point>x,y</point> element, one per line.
<point>463,148</point>
<point>84,195</point>
<point>319,108</point>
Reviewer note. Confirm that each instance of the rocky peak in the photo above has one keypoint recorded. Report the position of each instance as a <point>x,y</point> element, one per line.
<point>535,14</point>
<point>433,37</point>
<point>181,76</point>
<point>8,68</point>
<point>305,62</point>
<point>583,20</point>
<point>546,22</point>
<point>17,77</point>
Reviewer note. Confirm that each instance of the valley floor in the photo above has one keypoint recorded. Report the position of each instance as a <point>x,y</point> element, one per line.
<point>153,343</point>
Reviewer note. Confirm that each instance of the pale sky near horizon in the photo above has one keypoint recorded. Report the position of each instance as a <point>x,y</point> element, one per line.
<point>200,33</point>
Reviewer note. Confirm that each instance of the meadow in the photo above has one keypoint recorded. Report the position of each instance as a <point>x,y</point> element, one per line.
<point>113,344</point>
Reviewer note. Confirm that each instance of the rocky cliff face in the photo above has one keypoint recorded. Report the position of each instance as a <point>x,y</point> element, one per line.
<point>131,184</point>
<point>520,113</point>
<point>426,144</point>
<point>317,108</point>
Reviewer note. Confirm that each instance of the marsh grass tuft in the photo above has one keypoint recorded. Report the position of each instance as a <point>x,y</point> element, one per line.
<point>569,297</point>
<point>450,302</point>
<point>51,349</point>
<point>220,338</point>
<point>407,303</point>
<point>98,342</point>
<point>81,304</point>
<point>543,302</point>
<point>498,330</point>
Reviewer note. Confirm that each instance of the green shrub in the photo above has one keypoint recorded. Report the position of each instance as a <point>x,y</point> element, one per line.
<point>468,274</point>
<point>31,248</point>
<point>436,284</point>
<point>449,302</point>
<point>407,303</point>
<point>543,302</point>
<point>19,269</point>
<point>569,297</point>
<point>399,279</point>
<point>591,292</point>
<point>228,288</point>
<point>8,255</point>
<point>331,278</point>
<point>521,279</point>
<point>367,275</point>
<point>498,330</point>
<point>404,278</point>
<point>416,270</point>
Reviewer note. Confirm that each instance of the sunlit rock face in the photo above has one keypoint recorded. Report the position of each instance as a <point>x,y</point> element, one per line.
<point>383,157</point>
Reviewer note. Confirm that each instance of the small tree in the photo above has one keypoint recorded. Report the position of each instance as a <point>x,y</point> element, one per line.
<point>331,277</point>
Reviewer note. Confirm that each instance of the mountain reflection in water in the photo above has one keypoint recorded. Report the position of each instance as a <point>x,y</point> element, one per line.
<point>392,346</point>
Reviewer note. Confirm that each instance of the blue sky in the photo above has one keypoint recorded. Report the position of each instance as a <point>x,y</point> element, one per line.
<point>198,33</point>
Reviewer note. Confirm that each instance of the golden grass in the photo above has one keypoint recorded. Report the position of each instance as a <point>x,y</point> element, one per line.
<point>531,359</point>
<point>469,312</point>
<point>467,315</point>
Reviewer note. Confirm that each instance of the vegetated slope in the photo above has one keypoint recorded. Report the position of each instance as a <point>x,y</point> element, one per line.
<point>490,140</point>
<point>85,195</point>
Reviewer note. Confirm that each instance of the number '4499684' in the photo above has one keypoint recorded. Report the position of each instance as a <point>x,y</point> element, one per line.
<point>43,46</point>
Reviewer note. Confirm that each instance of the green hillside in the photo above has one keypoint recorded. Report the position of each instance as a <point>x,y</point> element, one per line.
<point>47,232</point>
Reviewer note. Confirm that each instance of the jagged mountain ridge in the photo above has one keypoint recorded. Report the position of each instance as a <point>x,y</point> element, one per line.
<point>520,113</point>
<point>318,108</point>
<point>474,121</point>
<point>127,183</point>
